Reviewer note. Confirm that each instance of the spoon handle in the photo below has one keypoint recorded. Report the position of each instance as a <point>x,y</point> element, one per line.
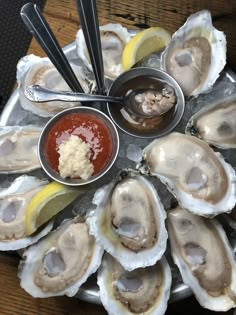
<point>89,22</point>
<point>36,93</point>
<point>38,26</point>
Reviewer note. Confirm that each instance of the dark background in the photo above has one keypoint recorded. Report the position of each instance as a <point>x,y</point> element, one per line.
<point>14,40</point>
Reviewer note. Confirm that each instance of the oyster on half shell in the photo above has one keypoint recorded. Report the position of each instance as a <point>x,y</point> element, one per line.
<point>18,149</point>
<point>199,178</point>
<point>196,54</point>
<point>113,40</point>
<point>13,204</point>
<point>35,70</point>
<point>129,221</point>
<point>61,262</point>
<point>204,257</point>
<point>216,123</point>
<point>141,291</point>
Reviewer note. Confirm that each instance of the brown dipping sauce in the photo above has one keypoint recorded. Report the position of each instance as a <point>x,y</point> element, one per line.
<point>87,127</point>
<point>141,126</point>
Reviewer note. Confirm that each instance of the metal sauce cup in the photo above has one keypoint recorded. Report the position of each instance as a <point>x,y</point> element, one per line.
<point>144,77</point>
<point>104,119</point>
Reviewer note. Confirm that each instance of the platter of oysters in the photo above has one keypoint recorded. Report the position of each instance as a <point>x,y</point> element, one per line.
<point>160,225</point>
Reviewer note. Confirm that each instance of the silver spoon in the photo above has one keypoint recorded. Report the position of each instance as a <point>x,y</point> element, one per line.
<point>87,10</point>
<point>131,100</point>
<point>38,26</point>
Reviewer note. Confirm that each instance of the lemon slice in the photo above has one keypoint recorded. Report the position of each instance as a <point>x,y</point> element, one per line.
<point>50,200</point>
<point>143,44</point>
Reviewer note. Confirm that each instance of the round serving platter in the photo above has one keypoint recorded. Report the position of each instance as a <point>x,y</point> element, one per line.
<point>130,151</point>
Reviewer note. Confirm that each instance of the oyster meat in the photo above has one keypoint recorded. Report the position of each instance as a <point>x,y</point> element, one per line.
<point>216,123</point>
<point>129,221</point>
<point>113,40</point>
<point>199,178</point>
<point>61,262</point>
<point>141,291</point>
<point>18,149</point>
<point>13,204</point>
<point>196,54</point>
<point>204,257</point>
<point>35,70</point>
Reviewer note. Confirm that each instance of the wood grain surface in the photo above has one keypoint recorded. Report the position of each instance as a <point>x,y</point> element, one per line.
<point>63,19</point>
<point>170,14</point>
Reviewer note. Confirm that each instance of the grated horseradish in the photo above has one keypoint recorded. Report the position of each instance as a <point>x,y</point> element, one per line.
<point>74,160</point>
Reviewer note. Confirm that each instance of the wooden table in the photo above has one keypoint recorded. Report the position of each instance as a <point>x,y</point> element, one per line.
<point>63,19</point>
<point>170,14</point>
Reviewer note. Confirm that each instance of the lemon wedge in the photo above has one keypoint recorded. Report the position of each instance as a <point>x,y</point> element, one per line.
<point>49,201</point>
<point>143,44</point>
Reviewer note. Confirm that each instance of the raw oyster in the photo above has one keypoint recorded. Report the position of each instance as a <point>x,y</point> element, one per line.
<point>61,262</point>
<point>204,257</point>
<point>216,123</point>
<point>35,70</point>
<point>113,40</point>
<point>141,291</point>
<point>199,178</point>
<point>129,221</point>
<point>196,54</point>
<point>18,149</point>
<point>13,204</point>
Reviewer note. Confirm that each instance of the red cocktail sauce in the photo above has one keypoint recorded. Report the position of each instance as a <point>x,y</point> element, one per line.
<point>90,129</point>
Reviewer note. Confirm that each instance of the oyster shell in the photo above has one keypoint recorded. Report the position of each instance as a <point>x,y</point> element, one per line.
<point>204,257</point>
<point>216,123</point>
<point>61,262</point>
<point>18,149</point>
<point>199,178</point>
<point>13,204</point>
<point>113,40</point>
<point>196,54</point>
<point>35,70</point>
<point>129,221</point>
<point>141,291</point>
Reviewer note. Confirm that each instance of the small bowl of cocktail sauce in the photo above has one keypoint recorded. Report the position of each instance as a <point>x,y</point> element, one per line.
<point>145,78</point>
<point>93,127</point>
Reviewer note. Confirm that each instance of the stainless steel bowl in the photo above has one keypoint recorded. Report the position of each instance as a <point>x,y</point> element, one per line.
<point>84,110</point>
<point>141,78</point>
